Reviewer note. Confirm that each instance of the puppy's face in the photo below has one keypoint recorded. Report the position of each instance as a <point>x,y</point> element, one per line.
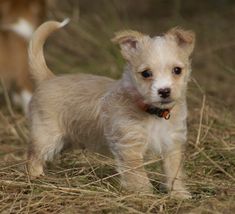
<point>160,66</point>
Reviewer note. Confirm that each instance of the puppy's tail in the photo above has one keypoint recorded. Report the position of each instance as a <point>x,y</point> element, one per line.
<point>37,63</point>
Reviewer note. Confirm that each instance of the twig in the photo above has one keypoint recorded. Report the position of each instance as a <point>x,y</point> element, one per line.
<point>119,173</point>
<point>50,186</point>
<point>11,166</point>
<point>213,162</point>
<point>178,207</point>
<point>92,168</point>
<point>7,99</point>
<point>200,121</point>
<point>198,85</point>
<point>18,129</point>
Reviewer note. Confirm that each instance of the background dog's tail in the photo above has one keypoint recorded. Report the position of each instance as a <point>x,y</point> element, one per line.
<point>38,66</point>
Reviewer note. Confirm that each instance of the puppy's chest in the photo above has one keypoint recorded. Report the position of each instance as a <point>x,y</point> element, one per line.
<point>161,133</point>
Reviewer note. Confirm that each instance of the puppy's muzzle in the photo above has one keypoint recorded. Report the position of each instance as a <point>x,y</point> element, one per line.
<point>164,92</point>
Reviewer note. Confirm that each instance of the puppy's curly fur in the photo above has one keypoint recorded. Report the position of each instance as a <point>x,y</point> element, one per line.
<point>99,112</point>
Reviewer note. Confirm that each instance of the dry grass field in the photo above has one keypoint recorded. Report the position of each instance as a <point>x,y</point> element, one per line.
<point>80,182</point>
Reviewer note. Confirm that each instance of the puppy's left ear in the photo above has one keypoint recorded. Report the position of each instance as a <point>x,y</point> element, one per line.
<point>128,41</point>
<point>184,38</point>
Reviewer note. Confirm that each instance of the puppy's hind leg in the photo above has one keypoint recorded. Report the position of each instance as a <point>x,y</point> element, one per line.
<point>43,148</point>
<point>35,162</point>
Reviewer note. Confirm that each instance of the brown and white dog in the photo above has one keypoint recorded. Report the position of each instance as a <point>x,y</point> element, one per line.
<point>129,116</point>
<point>18,20</point>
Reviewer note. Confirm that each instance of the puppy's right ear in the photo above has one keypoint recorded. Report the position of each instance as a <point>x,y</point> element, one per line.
<point>128,41</point>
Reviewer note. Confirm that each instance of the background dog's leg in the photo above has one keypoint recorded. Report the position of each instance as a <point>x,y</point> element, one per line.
<point>25,98</point>
<point>174,174</point>
<point>26,86</point>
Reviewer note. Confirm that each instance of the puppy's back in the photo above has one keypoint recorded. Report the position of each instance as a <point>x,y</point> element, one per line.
<point>74,102</point>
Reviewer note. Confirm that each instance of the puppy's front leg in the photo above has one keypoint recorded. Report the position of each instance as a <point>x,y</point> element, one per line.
<point>173,169</point>
<point>129,158</point>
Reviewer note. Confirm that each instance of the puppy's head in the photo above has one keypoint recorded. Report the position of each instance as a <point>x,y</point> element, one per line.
<point>159,67</point>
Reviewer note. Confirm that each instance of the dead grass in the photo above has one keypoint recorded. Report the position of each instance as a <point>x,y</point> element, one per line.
<point>81,182</point>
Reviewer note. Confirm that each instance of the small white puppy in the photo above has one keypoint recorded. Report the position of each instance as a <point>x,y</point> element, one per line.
<point>145,109</point>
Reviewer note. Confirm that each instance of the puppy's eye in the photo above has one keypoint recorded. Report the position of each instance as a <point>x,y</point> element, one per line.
<point>177,70</point>
<point>146,74</point>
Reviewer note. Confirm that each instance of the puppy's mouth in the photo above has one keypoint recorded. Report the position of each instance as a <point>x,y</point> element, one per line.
<point>166,103</point>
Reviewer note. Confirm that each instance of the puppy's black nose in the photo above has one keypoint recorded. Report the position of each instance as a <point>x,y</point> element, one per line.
<point>164,92</point>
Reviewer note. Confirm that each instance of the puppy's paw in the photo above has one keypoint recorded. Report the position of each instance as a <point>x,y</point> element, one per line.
<point>180,194</point>
<point>138,187</point>
<point>145,189</point>
<point>35,171</point>
<point>33,174</point>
